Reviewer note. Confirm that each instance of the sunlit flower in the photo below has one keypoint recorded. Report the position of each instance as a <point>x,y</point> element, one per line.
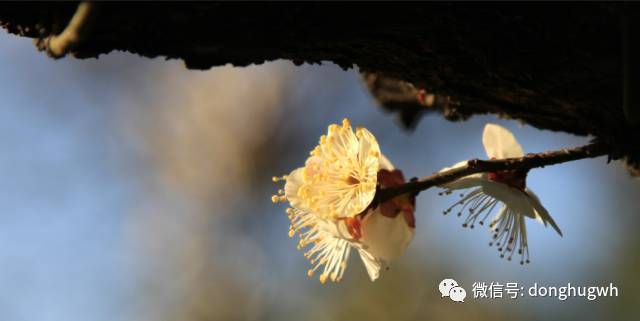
<point>339,179</point>
<point>378,233</point>
<point>507,188</point>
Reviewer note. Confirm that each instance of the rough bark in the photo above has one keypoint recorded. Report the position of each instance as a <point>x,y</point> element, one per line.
<point>553,66</point>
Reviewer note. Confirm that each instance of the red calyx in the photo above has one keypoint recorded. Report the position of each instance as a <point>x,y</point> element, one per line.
<point>400,204</point>
<point>515,178</point>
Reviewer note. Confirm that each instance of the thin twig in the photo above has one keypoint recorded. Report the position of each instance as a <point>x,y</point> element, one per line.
<point>57,46</point>
<point>474,166</point>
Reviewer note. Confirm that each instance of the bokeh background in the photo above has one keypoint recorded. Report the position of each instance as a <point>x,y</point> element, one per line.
<point>134,189</point>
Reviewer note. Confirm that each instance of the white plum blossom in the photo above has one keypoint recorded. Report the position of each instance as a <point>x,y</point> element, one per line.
<point>506,188</point>
<point>340,176</point>
<point>331,212</point>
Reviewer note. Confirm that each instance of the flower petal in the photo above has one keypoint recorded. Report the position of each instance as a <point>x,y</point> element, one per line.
<point>385,163</point>
<point>541,211</point>
<point>372,264</point>
<point>499,142</point>
<point>515,199</point>
<point>291,188</point>
<point>369,150</point>
<point>340,176</point>
<point>466,181</point>
<point>385,237</point>
<point>456,165</point>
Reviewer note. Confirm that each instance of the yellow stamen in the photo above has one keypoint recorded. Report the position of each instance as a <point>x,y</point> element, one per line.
<point>279,178</point>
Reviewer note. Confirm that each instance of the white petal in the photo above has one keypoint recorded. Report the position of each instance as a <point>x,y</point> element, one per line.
<point>332,228</point>
<point>385,237</point>
<point>385,163</point>
<point>470,181</point>
<point>499,142</point>
<point>372,264</point>
<point>368,146</point>
<point>542,212</point>
<point>466,181</point>
<point>291,187</point>
<point>456,165</point>
<point>515,199</point>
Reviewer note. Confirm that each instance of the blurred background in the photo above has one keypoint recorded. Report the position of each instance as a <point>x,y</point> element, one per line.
<point>134,189</point>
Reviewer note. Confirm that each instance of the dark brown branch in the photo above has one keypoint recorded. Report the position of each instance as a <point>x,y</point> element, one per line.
<point>555,66</point>
<point>474,166</point>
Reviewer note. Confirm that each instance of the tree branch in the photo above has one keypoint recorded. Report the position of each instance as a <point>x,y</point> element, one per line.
<point>474,166</point>
<point>553,66</point>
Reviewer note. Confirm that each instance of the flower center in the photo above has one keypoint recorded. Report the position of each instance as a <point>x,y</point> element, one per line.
<point>354,227</point>
<point>515,178</point>
<point>352,180</point>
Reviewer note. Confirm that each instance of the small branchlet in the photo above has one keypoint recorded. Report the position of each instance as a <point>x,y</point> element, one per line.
<point>527,162</point>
